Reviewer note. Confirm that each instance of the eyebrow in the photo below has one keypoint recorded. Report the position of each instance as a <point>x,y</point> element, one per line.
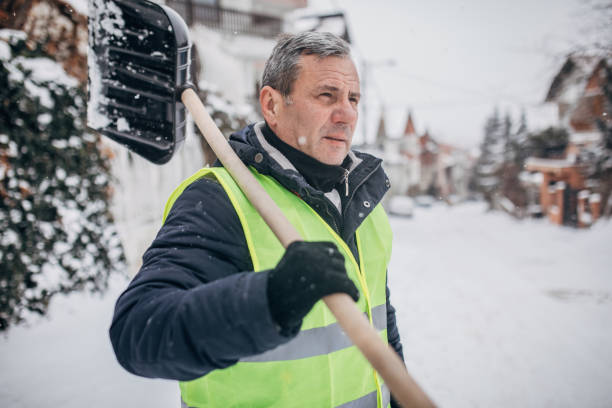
<point>332,88</point>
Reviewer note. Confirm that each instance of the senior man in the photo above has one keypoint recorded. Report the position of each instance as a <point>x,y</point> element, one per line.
<point>220,306</point>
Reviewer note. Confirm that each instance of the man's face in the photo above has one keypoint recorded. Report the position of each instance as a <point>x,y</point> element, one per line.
<point>320,114</point>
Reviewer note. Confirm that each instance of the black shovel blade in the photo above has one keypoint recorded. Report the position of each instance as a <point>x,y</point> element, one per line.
<point>138,57</point>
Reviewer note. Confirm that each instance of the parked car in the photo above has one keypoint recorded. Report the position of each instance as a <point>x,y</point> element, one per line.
<point>424,201</point>
<point>402,206</point>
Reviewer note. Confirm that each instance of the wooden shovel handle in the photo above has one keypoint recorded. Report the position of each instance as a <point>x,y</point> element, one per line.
<point>384,360</point>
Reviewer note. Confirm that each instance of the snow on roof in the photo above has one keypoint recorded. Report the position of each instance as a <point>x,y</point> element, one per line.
<point>534,178</point>
<point>584,194</point>
<point>573,89</point>
<point>568,85</point>
<point>550,163</point>
<point>542,116</point>
<point>586,63</point>
<point>584,137</point>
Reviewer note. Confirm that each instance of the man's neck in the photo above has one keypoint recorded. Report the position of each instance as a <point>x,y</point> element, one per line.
<point>321,176</point>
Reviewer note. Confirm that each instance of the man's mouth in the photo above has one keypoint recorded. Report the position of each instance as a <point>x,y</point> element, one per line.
<point>335,139</point>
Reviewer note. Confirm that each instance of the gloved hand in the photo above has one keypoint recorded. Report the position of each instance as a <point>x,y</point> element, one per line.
<point>306,272</point>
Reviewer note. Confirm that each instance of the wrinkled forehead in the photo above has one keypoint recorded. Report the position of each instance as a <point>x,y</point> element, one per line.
<point>341,70</point>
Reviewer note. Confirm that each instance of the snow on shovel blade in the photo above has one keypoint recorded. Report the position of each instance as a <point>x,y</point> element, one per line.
<point>138,56</point>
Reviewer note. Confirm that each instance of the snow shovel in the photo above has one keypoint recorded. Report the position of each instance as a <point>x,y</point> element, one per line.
<point>139,55</point>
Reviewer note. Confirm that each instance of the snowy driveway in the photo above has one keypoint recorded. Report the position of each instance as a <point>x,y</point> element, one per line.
<point>499,313</point>
<point>492,312</point>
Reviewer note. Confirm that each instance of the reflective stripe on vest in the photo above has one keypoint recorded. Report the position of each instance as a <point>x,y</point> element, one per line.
<point>319,367</point>
<point>367,401</point>
<point>307,343</point>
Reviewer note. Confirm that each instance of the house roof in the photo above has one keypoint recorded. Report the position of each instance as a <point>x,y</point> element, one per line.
<point>540,164</point>
<point>428,144</point>
<point>569,83</point>
<point>585,137</point>
<point>409,128</point>
<point>542,116</point>
<point>398,123</point>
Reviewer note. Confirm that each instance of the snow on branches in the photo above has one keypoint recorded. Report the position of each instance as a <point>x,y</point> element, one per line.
<point>57,231</point>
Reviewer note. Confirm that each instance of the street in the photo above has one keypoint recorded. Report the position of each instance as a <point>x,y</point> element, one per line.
<point>493,312</point>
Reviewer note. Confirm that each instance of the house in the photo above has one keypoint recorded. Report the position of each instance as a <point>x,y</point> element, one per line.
<point>410,149</point>
<point>232,40</point>
<point>428,161</point>
<point>387,148</point>
<point>454,169</point>
<point>418,164</point>
<point>578,92</point>
<point>387,145</point>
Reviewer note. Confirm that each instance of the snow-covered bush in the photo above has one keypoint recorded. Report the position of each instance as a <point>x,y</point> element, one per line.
<point>57,234</point>
<point>549,143</point>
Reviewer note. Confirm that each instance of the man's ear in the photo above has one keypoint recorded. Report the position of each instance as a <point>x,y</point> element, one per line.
<point>270,101</point>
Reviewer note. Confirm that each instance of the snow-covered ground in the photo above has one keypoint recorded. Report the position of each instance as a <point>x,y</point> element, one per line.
<point>499,313</point>
<point>492,312</point>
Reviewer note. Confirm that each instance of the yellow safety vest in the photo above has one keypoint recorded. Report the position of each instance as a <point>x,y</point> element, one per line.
<point>319,367</point>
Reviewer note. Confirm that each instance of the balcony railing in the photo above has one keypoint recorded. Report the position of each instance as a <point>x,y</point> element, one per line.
<point>227,20</point>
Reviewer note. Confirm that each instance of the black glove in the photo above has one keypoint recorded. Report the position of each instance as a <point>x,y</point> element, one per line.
<point>306,272</point>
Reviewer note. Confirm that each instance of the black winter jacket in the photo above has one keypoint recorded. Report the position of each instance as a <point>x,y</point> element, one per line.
<point>195,305</point>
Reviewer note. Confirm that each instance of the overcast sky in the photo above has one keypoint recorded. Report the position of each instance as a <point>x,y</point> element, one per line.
<point>456,60</point>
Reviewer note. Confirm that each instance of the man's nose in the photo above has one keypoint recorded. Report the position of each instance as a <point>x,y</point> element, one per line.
<point>345,111</point>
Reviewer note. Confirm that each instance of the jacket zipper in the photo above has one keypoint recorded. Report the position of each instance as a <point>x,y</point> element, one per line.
<point>346,194</point>
<point>363,180</point>
<point>345,179</point>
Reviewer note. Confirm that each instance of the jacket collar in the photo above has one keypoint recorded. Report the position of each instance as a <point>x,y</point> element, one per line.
<point>367,182</point>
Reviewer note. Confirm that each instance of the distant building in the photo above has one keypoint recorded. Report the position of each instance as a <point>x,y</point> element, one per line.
<point>428,160</point>
<point>454,169</point>
<point>578,92</point>
<point>418,164</point>
<point>410,150</point>
<point>387,148</point>
<point>233,39</point>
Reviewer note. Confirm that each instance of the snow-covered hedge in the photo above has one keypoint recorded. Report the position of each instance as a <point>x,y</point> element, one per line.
<point>57,234</point>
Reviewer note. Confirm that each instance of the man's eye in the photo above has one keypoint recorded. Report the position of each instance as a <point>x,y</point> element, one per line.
<point>326,94</point>
<point>354,100</point>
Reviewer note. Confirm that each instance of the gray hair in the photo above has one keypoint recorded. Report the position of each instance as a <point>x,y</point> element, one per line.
<point>282,68</point>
